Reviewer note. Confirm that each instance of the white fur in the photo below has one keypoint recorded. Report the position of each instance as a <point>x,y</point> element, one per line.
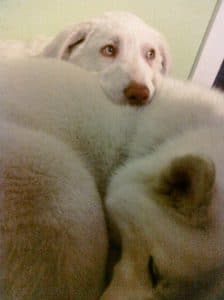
<point>183,119</point>
<point>81,44</point>
<point>14,49</point>
<point>59,143</point>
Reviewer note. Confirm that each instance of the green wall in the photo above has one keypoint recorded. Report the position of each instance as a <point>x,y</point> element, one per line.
<point>182,21</point>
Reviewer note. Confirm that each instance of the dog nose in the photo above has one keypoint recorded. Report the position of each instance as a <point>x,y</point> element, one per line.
<point>136,93</point>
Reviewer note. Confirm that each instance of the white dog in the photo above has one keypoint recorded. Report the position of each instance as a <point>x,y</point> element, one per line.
<point>129,55</point>
<point>166,206</point>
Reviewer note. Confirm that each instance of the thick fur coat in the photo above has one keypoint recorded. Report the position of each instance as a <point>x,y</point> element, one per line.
<point>61,139</point>
<point>165,205</point>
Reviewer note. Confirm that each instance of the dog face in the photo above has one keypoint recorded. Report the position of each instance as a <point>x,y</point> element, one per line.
<point>129,55</point>
<point>166,216</point>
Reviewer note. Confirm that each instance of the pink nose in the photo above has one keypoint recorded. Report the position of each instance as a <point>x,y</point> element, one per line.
<point>136,93</point>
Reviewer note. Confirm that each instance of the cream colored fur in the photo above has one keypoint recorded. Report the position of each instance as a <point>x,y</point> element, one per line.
<point>60,139</point>
<point>165,206</point>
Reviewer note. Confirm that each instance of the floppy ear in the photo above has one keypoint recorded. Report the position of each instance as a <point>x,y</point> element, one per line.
<point>165,54</point>
<point>186,185</point>
<point>67,41</point>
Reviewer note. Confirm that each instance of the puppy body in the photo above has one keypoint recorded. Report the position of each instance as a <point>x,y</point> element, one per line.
<point>60,138</point>
<point>60,141</point>
<point>165,206</point>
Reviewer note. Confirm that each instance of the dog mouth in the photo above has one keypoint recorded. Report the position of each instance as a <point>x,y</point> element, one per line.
<point>135,102</point>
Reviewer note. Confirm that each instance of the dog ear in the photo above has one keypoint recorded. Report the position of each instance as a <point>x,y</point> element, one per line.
<point>186,185</point>
<point>66,41</point>
<point>165,54</point>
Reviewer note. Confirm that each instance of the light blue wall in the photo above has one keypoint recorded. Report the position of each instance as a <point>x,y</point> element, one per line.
<point>182,21</point>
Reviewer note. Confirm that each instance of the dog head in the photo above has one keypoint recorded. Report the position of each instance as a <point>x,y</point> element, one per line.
<point>129,55</point>
<point>166,217</point>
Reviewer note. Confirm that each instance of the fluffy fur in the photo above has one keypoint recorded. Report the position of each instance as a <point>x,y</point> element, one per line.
<point>61,142</point>
<point>165,205</point>
<point>60,139</point>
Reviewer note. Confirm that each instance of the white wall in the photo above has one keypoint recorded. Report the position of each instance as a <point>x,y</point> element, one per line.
<point>182,21</point>
<point>212,54</point>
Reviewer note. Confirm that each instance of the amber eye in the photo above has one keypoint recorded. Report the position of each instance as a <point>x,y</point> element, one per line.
<point>150,54</point>
<point>109,51</point>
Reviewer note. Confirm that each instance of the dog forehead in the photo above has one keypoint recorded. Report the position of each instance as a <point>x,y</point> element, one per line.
<point>123,24</point>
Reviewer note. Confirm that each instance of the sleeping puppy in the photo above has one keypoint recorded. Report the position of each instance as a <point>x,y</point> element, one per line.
<point>129,55</point>
<point>61,143</point>
<point>166,205</point>
<point>58,144</point>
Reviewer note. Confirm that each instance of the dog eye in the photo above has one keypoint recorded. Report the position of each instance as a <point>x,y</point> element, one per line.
<point>109,51</point>
<point>153,272</point>
<point>150,54</point>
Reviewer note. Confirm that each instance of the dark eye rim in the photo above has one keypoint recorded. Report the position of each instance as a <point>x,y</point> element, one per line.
<point>151,54</point>
<point>113,54</point>
<point>153,272</point>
